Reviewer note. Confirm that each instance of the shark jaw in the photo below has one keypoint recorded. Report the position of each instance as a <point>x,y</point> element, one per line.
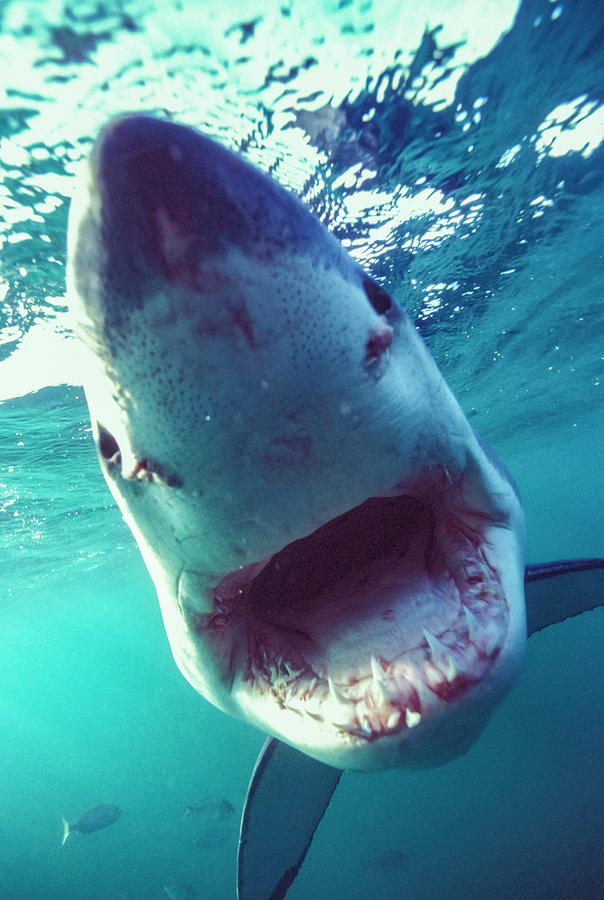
<point>374,641</point>
<point>337,556</point>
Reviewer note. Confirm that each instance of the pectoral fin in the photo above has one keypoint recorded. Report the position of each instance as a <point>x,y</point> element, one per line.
<point>286,799</point>
<point>558,590</point>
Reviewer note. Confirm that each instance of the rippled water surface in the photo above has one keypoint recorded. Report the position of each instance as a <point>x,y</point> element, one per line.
<point>457,151</point>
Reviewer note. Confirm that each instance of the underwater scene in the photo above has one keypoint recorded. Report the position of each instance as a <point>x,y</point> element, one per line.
<point>456,151</point>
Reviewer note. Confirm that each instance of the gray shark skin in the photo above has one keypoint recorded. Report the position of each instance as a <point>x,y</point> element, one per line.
<point>337,555</point>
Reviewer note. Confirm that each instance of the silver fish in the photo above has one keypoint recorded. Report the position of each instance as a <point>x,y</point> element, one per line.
<point>92,820</point>
<point>211,809</point>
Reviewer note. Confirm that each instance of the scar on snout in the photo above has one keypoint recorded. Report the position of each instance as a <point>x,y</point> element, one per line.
<point>241,320</point>
<point>380,340</point>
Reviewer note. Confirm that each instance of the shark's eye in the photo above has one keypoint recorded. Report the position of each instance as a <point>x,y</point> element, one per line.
<point>377,296</point>
<point>108,446</point>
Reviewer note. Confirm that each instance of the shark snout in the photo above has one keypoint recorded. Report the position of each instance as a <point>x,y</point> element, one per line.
<point>172,201</point>
<point>162,211</point>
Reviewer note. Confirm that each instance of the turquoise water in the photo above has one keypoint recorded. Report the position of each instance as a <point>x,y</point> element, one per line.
<point>466,170</point>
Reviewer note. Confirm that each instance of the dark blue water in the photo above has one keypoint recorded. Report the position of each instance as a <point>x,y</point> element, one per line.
<point>464,167</point>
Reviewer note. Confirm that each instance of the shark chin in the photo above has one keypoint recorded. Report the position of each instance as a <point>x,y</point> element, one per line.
<point>338,556</point>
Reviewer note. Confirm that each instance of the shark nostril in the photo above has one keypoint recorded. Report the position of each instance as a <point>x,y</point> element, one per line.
<point>108,446</point>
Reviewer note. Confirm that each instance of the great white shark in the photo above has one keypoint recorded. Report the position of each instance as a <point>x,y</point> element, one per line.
<point>337,554</point>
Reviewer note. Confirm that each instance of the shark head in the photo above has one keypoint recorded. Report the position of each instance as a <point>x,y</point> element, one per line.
<point>337,555</point>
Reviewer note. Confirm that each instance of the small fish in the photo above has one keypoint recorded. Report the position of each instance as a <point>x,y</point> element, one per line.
<point>389,859</point>
<point>93,820</point>
<point>215,838</point>
<point>181,890</point>
<point>212,809</point>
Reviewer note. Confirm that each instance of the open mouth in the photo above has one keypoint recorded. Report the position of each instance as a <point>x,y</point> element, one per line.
<point>371,622</point>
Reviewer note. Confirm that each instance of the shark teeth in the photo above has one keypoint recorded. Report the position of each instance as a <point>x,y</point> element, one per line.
<point>379,710</point>
<point>291,672</point>
<point>486,639</point>
<point>433,675</point>
<point>337,695</point>
<point>442,656</point>
<point>366,726</point>
<point>377,692</point>
<point>394,719</point>
<point>412,718</point>
<point>473,624</point>
<point>436,648</point>
<point>382,696</point>
<point>376,669</point>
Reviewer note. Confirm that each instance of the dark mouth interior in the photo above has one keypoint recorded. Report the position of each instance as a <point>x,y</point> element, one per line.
<point>368,622</point>
<point>293,580</point>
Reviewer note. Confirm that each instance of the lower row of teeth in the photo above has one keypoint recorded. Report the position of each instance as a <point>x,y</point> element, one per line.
<point>378,709</point>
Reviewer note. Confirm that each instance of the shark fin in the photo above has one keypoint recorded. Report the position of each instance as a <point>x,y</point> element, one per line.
<point>557,590</point>
<point>286,799</point>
